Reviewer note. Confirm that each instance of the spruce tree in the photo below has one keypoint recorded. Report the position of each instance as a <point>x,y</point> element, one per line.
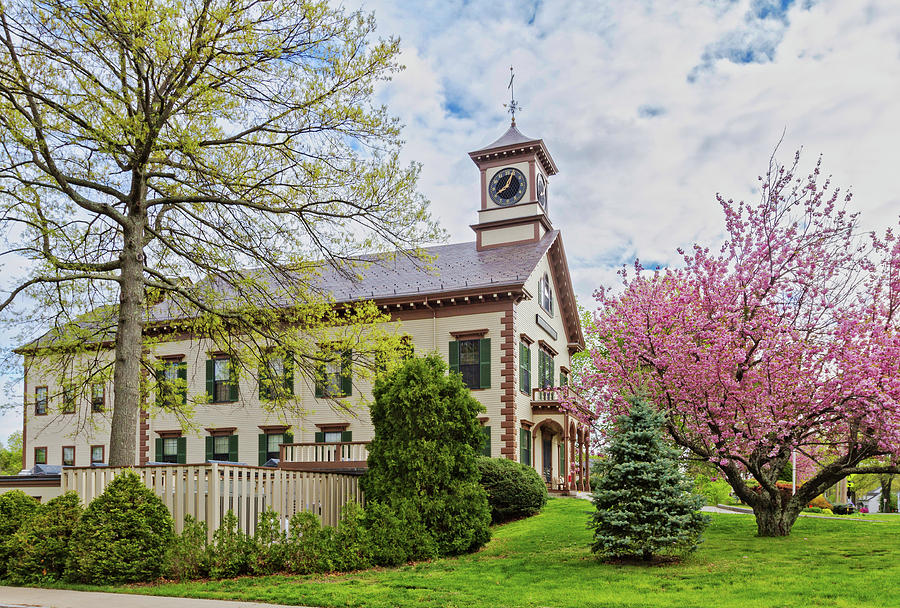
<point>644,504</point>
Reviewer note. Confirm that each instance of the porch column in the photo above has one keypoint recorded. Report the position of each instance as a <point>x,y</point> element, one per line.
<point>570,462</point>
<point>580,461</point>
<point>586,434</point>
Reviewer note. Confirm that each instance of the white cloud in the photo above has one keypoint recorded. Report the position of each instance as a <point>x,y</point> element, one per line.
<point>633,184</point>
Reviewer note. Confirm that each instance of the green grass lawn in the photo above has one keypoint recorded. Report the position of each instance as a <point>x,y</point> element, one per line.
<point>545,561</point>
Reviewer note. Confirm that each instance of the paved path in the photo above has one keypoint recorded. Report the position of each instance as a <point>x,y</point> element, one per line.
<point>28,597</point>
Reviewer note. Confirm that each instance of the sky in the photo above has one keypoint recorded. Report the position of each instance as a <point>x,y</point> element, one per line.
<point>649,109</point>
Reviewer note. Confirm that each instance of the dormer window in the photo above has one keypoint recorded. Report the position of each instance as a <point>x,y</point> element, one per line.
<point>545,294</point>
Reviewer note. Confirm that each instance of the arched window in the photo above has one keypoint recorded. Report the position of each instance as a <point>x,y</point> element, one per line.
<point>546,294</point>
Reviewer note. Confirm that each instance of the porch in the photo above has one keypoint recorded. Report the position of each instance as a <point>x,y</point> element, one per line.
<point>561,441</point>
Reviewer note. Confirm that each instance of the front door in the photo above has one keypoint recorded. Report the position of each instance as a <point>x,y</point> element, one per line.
<point>547,460</point>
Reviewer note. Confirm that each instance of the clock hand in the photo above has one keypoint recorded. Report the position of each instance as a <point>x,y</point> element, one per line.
<point>506,185</point>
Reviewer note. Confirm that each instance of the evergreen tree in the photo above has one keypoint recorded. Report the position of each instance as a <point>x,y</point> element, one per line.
<point>422,461</point>
<point>644,504</point>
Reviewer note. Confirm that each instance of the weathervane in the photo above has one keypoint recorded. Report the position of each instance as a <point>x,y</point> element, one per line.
<point>513,105</point>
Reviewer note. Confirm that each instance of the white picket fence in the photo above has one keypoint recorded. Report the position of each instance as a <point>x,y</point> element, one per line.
<point>207,491</point>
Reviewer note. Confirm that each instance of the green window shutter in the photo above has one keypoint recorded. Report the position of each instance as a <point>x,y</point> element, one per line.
<point>232,382</point>
<point>346,374</point>
<point>263,448</point>
<point>320,379</point>
<point>209,447</point>
<point>484,353</point>
<point>289,374</point>
<point>160,374</point>
<point>182,376</point>
<point>486,444</point>
<point>522,449</point>
<point>454,356</point>
<point>233,448</point>
<point>320,437</point>
<point>210,379</point>
<point>524,368</point>
<point>346,435</point>
<point>182,450</point>
<point>288,437</point>
<point>159,450</point>
<point>262,375</point>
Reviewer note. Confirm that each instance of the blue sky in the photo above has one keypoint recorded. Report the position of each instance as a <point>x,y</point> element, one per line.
<point>648,107</point>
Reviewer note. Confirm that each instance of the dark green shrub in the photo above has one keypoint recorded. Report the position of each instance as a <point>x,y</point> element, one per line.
<point>812,510</point>
<point>348,544</point>
<point>422,459</point>
<point>268,544</point>
<point>123,536</point>
<point>40,547</point>
<point>644,504</point>
<point>304,543</point>
<point>16,507</point>
<point>188,557</point>
<point>844,509</point>
<point>231,551</point>
<point>513,489</point>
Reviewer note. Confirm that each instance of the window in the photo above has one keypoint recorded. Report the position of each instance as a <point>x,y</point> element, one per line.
<point>525,446</point>
<point>333,436</point>
<point>525,367</point>
<point>545,369</point>
<point>472,359</point>
<point>98,397</point>
<point>98,454</point>
<point>486,444</point>
<point>563,377</point>
<point>545,294</point>
<point>171,384</point>
<point>171,448</point>
<point>270,444</point>
<point>384,355</point>
<point>40,401</point>
<point>68,456</point>
<point>40,455</point>
<point>221,380</point>
<point>335,377</point>
<point>276,378</point>
<point>222,447</point>
<point>69,400</point>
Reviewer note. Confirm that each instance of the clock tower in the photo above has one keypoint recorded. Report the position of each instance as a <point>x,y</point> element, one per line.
<point>514,173</point>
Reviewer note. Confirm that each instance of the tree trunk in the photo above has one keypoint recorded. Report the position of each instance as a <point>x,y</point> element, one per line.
<point>129,343</point>
<point>772,520</point>
<point>886,481</point>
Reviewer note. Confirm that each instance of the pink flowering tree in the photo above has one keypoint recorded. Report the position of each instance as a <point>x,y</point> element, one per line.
<point>784,340</point>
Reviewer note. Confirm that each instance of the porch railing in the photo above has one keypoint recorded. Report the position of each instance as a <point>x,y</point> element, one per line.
<point>324,456</point>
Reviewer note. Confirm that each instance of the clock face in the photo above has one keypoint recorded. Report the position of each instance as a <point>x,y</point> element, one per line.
<point>507,186</point>
<point>542,190</point>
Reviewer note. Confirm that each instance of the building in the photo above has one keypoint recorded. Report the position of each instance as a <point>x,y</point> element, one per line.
<point>501,310</point>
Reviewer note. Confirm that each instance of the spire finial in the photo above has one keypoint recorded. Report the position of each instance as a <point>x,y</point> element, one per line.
<point>513,105</point>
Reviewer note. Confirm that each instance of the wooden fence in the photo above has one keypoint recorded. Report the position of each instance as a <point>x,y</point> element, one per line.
<point>207,491</point>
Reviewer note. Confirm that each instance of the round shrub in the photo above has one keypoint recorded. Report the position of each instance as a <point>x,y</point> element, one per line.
<point>123,536</point>
<point>39,549</point>
<point>820,502</point>
<point>514,490</point>
<point>827,512</point>
<point>16,507</point>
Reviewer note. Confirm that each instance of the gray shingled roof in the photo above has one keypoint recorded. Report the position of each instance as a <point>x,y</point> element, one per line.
<point>451,268</point>
<point>454,268</point>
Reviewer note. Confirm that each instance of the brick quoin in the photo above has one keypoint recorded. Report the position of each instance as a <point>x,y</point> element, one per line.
<point>507,384</point>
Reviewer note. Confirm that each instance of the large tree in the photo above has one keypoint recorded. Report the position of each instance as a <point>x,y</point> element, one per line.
<point>203,152</point>
<point>784,340</point>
